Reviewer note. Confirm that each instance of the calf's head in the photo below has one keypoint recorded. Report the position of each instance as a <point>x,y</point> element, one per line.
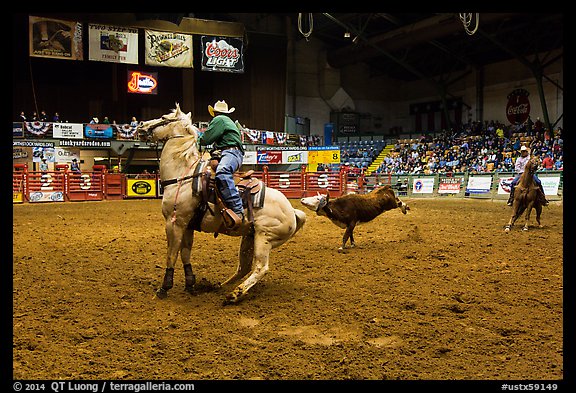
<point>316,202</point>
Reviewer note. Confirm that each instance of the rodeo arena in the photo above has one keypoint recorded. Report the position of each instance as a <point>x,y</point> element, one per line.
<point>399,212</point>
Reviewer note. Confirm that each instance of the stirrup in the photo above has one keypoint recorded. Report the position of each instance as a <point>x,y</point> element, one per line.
<point>231,219</point>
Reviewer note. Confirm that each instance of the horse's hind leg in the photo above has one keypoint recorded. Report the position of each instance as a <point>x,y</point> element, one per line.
<point>538,208</point>
<point>185,255</point>
<point>527,216</point>
<point>245,257</point>
<point>174,235</point>
<point>262,248</point>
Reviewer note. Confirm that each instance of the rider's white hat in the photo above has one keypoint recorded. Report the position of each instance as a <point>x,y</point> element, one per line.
<point>221,107</point>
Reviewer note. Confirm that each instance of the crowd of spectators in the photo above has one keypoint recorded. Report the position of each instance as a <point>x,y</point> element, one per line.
<point>476,150</point>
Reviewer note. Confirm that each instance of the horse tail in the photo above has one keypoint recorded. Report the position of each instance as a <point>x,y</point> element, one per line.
<point>300,219</point>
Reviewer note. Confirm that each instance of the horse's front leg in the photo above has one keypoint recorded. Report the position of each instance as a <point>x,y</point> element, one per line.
<point>245,257</point>
<point>174,233</point>
<point>517,211</point>
<point>262,248</point>
<point>185,256</point>
<point>510,224</point>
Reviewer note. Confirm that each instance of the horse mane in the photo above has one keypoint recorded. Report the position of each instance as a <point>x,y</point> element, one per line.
<point>183,134</point>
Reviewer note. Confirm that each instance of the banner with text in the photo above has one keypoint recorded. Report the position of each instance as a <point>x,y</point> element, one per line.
<point>56,39</point>
<point>222,54</point>
<point>479,184</point>
<point>67,130</point>
<point>450,185</point>
<point>113,44</point>
<point>168,49</point>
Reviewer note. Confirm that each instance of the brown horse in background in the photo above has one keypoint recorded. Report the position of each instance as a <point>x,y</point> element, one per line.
<point>527,196</point>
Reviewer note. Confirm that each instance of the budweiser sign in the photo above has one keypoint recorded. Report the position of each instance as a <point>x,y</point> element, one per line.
<point>222,54</point>
<point>518,106</point>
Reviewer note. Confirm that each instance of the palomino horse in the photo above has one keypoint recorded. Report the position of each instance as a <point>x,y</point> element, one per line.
<point>184,209</point>
<point>527,196</point>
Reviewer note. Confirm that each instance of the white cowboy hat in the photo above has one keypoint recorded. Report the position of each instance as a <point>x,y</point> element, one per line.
<point>221,107</point>
<point>523,148</point>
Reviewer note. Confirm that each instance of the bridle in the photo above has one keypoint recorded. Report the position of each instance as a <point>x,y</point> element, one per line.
<point>161,122</point>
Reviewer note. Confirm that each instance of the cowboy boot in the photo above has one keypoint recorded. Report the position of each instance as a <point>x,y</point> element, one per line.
<point>544,200</point>
<point>511,198</point>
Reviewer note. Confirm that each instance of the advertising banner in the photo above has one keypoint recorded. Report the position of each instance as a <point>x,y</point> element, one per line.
<point>423,185</point>
<point>294,157</point>
<point>168,49</point>
<point>250,158</point>
<point>550,184</point>
<point>269,157</point>
<point>222,54</point>
<point>323,155</point>
<point>18,130</point>
<point>141,188</point>
<point>99,131</point>
<point>113,44</point>
<point>479,184</point>
<point>142,82</point>
<point>67,130</point>
<point>54,38</point>
<point>449,185</point>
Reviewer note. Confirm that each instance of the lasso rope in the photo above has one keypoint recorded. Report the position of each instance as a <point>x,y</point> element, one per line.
<point>180,180</point>
<point>310,23</point>
<point>466,19</point>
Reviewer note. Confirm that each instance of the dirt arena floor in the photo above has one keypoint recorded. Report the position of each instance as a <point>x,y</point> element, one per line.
<point>442,293</point>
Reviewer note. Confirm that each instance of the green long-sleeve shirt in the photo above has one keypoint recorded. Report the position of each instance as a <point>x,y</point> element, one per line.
<point>222,133</point>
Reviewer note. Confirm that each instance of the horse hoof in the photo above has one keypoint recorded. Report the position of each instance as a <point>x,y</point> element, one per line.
<point>341,250</point>
<point>230,299</point>
<point>525,228</point>
<point>162,293</point>
<point>507,230</point>
<point>190,290</point>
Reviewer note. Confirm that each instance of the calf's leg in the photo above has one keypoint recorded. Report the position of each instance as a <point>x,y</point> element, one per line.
<point>348,234</point>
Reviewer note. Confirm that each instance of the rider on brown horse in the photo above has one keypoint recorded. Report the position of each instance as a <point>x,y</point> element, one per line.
<point>223,134</point>
<point>519,166</point>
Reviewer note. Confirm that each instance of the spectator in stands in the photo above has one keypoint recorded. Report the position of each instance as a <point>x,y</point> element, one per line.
<point>43,116</point>
<point>500,168</point>
<point>519,166</point>
<point>56,117</point>
<point>133,122</point>
<point>94,120</point>
<point>34,116</point>
<point>43,165</point>
<point>106,120</point>
<point>74,166</point>
<point>144,175</point>
<point>559,164</point>
<point>548,162</point>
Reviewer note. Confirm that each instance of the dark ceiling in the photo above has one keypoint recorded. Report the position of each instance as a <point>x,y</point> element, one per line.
<point>413,46</point>
<point>410,46</point>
